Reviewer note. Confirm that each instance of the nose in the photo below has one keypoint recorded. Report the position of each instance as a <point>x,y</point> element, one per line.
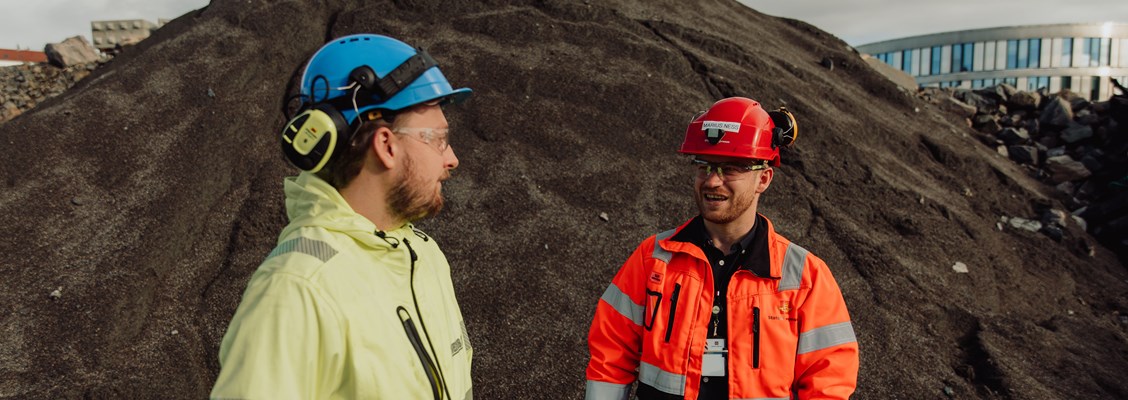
<point>450,161</point>
<point>713,180</point>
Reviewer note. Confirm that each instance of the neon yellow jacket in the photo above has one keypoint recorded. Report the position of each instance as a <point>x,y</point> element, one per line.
<point>334,312</point>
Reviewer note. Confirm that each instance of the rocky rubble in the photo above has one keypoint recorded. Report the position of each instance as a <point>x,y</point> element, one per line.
<point>1078,146</point>
<point>22,87</point>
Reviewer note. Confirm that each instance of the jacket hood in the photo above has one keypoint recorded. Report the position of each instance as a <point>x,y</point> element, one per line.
<point>312,202</point>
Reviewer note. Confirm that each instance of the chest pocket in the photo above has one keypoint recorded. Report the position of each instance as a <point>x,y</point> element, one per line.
<point>671,308</point>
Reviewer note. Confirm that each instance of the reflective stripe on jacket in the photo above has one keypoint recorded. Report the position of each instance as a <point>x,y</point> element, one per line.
<point>336,312</point>
<point>788,334</point>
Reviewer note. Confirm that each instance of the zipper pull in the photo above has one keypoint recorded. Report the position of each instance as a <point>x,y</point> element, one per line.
<point>414,257</point>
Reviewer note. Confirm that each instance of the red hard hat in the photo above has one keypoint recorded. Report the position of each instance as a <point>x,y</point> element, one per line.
<point>739,127</point>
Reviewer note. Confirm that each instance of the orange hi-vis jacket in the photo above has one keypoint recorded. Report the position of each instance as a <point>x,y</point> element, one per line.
<point>789,334</point>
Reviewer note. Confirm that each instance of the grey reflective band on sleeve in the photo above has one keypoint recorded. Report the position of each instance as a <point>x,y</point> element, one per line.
<point>316,248</point>
<point>791,273</point>
<point>596,390</point>
<point>659,252</point>
<point>623,304</point>
<point>665,381</point>
<point>825,337</point>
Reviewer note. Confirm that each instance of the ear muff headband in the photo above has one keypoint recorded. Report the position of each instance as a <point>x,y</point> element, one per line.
<point>786,129</point>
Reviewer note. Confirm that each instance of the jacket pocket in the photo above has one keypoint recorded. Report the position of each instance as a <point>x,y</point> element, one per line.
<point>653,300</point>
<point>673,311</point>
<point>416,342</point>
<point>755,337</point>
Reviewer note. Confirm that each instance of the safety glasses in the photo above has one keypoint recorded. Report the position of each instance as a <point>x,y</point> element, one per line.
<point>437,138</point>
<point>728,171</point>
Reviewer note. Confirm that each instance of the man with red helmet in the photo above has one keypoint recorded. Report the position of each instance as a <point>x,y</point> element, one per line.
<point>723,306</point>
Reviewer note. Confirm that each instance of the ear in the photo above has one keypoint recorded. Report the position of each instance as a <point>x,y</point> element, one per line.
<point>385,146</point>
<point>765,180</point>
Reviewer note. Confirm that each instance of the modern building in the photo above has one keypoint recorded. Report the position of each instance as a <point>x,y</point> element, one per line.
<point>110,35</point>
<point>1078,57</point>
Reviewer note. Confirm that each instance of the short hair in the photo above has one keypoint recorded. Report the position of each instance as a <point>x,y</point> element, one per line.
<point>342,168</point>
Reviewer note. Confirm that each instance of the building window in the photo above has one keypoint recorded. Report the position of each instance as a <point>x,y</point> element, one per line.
<point>1066,82</point>
<point>1012,54</point>
<point>957,56</point>
<point>962,57</point>
<point>1095,88</point>
<point>1067,52</point>
<point>976,84</point>
<point>1011,81</point>
<point>1090,52</point>
<point>1106,50</point>
<point>968,56</point>
<point>1034,83</point>
<point>1035,53</point>
<point>935,69</point>
<point>1023,53</point>
<point>907,60</point>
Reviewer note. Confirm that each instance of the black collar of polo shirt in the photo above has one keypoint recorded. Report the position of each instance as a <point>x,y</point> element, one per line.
<point>755,259</point>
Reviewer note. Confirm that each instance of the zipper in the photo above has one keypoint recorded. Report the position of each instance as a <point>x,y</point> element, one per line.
<point>673,311</point>
<point>438,381</point>
<point>417,343</point>
<point>755,337</point>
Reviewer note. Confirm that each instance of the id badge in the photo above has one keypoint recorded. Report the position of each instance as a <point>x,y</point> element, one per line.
<point>713,362</point>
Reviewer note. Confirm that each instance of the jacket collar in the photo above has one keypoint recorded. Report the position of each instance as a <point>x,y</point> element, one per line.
<point>762,240</point>
<point>312,202</point>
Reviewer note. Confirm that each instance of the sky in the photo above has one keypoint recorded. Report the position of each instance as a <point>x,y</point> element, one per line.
<point>31,24</point>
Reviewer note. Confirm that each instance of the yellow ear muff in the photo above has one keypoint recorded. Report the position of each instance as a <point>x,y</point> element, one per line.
<point>310,138</point>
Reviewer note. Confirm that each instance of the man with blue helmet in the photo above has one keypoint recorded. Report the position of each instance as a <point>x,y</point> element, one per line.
<point>355,301</point>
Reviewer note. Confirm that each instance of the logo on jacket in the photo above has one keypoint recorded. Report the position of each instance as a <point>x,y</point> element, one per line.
<point>785,307</point>
<point>655,277</point>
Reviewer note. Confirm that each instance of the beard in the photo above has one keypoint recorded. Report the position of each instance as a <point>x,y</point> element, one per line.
<point>411,199</point>
<point>734,207</point>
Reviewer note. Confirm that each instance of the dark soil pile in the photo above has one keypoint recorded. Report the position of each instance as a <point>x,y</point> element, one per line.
<point>137,204</point>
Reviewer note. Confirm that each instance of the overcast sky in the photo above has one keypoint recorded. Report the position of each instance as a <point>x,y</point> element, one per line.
<point>31,24</point>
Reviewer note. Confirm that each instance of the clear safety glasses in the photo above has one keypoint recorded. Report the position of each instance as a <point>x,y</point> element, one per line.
<point>437,138</point>
<point>727,171</point>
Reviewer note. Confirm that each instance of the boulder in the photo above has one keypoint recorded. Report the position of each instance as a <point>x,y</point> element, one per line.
<point>1065,168</point>
<point>1013,136</point>
<point>70,52</point>
<point>987,123</point>
<point>1025,100</point>
<point>1057,113</point>
<point>957,107</point>
<point>983,104</point>
<point>1076,132</point>
<point>1023,154</point>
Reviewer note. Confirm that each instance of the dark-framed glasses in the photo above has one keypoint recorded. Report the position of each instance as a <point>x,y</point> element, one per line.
<point>728,171</point>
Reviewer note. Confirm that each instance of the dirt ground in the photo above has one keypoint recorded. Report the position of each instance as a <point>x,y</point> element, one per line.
<point>136,205</point>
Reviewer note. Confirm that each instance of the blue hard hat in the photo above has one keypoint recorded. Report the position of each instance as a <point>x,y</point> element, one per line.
<point>329,76</point>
